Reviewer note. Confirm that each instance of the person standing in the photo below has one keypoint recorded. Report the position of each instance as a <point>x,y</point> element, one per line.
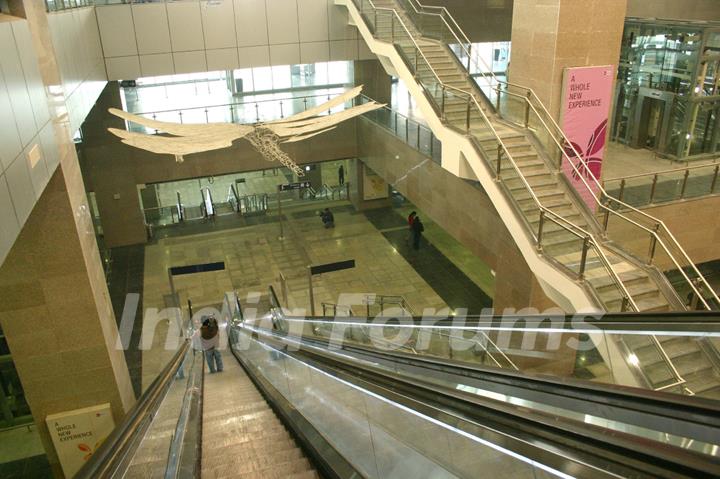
<point>327,218</point>
<point>210,340</point>
<point>341,175</point>
<point>417,230</point>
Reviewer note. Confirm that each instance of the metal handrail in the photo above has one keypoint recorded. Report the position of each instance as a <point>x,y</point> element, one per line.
<point>116,448</point>
<point>370,299</point>
<point>679,380</point>
<point>654,233</point>
<point>714,164</point>
<point>230,105</point>
<point>545,211</point>
<point>471,340</point>
<point>655,237</point>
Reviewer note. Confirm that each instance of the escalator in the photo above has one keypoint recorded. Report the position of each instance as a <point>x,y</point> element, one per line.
<point>355,397</point>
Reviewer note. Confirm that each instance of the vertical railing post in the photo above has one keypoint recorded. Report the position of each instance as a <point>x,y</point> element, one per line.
<point>606,218</point>
<point>407,130</point>
<point>541,225</point>
<point>467,119</point>
<point>622,189</point>
<point>714,181</point>
<point>499,162</point>
<point>207,117</point>
<point>469,62</point>
<point>396,123</point>
<point>180,114</point>
<point>624,305</point>
<point>653,188</point>
<point>282,113</point>
<point>653,245</point>
<point>684,184</point>
<point>442,103</point>
<point>527,110</point>
<point>417,50</point>
<point>497,100</point>
<point>583,258</point>
<point>257,112</point>
<point>418,136</point>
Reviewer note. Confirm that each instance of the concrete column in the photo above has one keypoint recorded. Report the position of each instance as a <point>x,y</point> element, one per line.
<point>56,313</point>
<point>355,175</point>
<point>551,35</point>
<point>375,80</point>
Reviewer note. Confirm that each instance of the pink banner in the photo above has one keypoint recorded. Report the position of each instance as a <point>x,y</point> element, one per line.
<point>587,97</point>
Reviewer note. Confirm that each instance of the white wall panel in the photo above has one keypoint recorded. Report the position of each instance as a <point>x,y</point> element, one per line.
<point>222,59</point>
<point>285,54</point>
<point>186,31</point>
<point>254,56</point>
<point>251,23</point>
<point>10,144</point>
<point>10,227</point>
<point>16,87</point>
<point>117,30</point>
<point>29,63</point>
<point>277,32</point>
<point>190,62</point>
<point>282,20</point>
<point>218,18</point>
<point>21,188</point>
<point>339,27</point>
<point>313,20</point>
<point>315,52</point>
<point>151,28</point>
<point>123,68</point>
<point>343,50</point>
<point>157,64</point>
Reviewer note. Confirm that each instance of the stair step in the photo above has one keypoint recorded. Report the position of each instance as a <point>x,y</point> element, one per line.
<point>261,468</point>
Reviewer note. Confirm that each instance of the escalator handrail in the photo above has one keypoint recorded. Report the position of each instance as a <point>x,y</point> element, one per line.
<point>113,451</point>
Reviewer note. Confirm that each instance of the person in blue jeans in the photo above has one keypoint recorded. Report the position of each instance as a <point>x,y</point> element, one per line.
<point>210,338</point>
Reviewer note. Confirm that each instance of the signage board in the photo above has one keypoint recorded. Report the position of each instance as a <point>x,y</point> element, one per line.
<point>585,110</point>
<point>330,267</point>
<point>294,186</point>
<point>77,434</point>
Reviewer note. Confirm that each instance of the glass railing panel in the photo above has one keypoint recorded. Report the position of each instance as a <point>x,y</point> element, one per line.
<point>378,437</point>
<point>699,182</point>
<point>669,186</point>
<point>637,191</point>
<point>425,140</point>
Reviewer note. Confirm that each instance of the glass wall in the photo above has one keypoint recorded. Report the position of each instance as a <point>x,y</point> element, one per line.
<point>667,98</point>
<point>152,94</point>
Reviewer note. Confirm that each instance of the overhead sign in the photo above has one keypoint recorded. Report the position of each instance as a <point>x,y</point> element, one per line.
<point>78,434</point>
<point>330,267</point>
<point>587,97</point>
<point>294,186</point>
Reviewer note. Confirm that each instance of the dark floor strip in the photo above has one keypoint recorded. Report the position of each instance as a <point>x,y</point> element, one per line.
<point>127,276</point>
<point>35,467</point>
<point>449,282</point>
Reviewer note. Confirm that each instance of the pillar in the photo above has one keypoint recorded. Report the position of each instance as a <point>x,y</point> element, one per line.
<point>551,35</point>
<point>56,313</point>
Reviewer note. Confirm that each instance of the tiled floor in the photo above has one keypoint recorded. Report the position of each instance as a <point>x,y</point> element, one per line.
<point>22,454</point>
<point>255,257</point>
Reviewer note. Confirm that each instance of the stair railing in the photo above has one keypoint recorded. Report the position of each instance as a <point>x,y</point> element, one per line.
<point>608,205</point>
<point>369,12</point>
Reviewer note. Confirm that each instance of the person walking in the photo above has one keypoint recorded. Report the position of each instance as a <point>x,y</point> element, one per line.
<point>210,340</point>
<point>410,219</point>
<point>341,175</point>
<point>417,230</point>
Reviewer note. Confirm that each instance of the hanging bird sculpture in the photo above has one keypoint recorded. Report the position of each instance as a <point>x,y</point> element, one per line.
<point>186,139</point>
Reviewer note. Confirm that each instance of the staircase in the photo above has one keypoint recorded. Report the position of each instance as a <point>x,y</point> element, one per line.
<point>561,243</point>
<point>565,233</point>
<point>242,437</point>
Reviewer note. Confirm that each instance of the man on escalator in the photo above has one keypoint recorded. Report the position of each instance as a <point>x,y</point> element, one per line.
<point>210,339</point>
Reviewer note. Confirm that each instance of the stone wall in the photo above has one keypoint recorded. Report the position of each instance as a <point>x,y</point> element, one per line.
<point>460,208</point>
